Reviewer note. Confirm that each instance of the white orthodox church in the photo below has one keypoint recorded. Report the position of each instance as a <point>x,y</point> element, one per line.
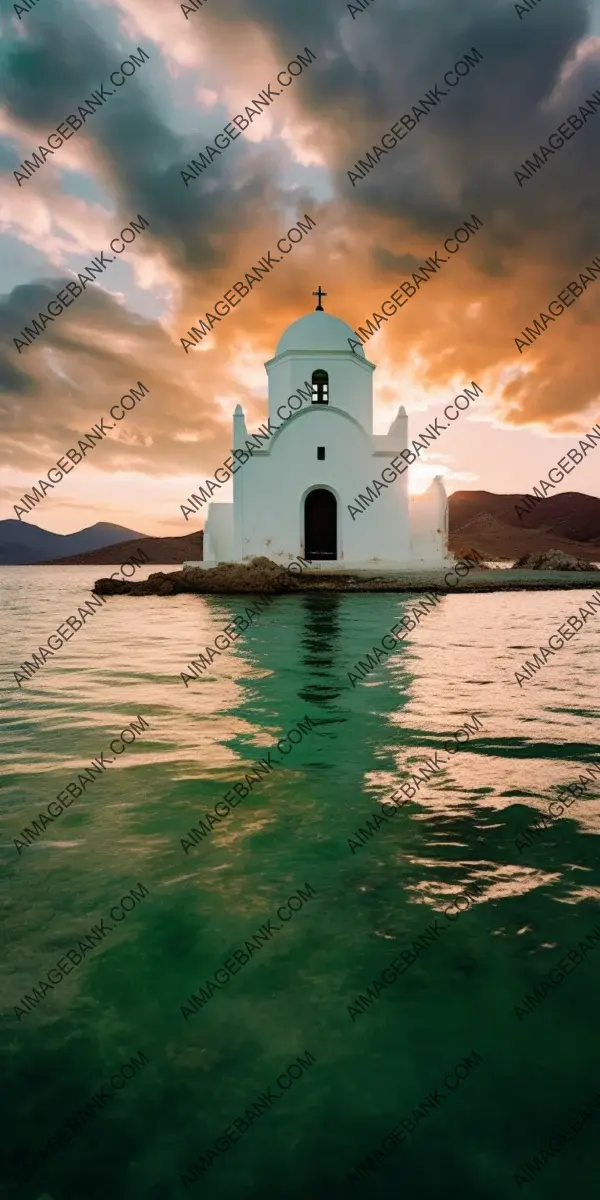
<point>296,496</point>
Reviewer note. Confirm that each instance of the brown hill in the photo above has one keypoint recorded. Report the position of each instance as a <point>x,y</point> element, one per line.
<point>162,551</point>
<point>498,542</point>
<point>569,521</point>
<point>571,515</point>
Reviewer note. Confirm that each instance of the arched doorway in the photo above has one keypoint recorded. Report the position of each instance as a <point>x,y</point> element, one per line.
<point>320,524</point>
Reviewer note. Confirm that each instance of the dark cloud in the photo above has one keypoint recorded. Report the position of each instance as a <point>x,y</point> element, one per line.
<point>140,158</point>
<point>59,62</point>
<point>105,350</point>
<point>385,261</point>
<point>15,381</point>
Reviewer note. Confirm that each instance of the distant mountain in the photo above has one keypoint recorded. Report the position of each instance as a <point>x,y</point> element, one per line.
<point>163,551</point>
<point>568,514</point>
<point>487,522</point>
<point>21,544</point>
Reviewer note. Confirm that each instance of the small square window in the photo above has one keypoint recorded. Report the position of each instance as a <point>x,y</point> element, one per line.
<point>320,452</point>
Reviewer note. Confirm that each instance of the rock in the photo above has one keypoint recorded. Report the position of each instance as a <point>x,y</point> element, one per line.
<point>552,560</point>
<point>111,587</point>
<point>258,575</point>
<point>460,554</point>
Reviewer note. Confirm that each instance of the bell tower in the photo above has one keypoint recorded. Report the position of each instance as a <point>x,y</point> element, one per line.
<point>315,363</point>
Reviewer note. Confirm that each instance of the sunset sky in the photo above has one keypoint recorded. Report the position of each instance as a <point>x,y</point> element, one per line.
<point>370,68</point>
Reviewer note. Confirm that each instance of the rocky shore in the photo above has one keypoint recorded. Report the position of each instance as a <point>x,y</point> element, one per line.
<point>262,575</point>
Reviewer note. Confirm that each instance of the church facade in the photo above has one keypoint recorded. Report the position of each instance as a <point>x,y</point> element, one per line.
<point>319,484</point>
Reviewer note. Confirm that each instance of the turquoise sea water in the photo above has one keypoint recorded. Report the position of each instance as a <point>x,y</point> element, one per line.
<point>293,995</point>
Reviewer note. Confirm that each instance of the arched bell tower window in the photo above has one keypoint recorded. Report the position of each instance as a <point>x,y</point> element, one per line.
<point>320,387</point>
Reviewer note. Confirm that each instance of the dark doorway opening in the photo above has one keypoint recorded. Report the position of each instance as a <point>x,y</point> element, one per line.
<point>320,524</point>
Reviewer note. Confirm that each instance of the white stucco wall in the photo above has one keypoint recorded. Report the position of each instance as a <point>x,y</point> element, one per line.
<point>276,481</point>
<point>428,520</point>
<point>218,533</point>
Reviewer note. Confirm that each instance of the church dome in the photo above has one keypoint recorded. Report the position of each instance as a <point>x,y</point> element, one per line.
<point>318,332</point>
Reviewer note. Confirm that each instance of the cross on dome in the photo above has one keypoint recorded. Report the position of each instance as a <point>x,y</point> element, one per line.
<point>320,294</point>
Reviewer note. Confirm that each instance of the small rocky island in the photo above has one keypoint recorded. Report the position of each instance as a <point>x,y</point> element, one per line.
<point>552,560</point>
<point>534,572</point>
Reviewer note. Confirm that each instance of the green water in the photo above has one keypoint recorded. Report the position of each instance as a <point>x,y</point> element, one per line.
<point>292,997</point>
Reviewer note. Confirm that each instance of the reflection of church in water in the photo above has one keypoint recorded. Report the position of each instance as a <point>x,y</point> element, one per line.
<point>296,495</point>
